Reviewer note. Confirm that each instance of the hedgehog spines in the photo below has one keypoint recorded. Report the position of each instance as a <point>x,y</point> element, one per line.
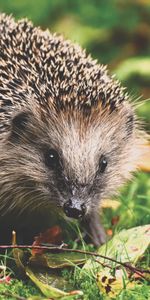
<point>43,66</point>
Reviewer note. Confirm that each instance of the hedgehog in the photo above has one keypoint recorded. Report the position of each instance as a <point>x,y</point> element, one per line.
<point>69,135</point>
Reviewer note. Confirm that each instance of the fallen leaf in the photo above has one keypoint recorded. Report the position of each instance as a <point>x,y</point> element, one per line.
<point>111,285</point>
<point>127,246</point>
<point>124,243</point>
<point>109,232</point>
<point>50,236</point>
<point>47,289</point>
<point>108,203</point>
<point>115,220</point>
<point>57,260</point>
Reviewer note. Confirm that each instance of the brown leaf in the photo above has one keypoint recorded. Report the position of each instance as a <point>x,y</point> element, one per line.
<point>109,232</point>
<point>52,235</point>
<point>115,220</point>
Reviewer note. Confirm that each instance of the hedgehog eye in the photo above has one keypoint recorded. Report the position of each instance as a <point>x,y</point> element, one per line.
<point>102,164</point>
<point>52,159</point>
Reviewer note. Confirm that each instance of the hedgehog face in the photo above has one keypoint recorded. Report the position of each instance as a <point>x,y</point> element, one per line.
<point>72,162</point>
<point>97,157</point>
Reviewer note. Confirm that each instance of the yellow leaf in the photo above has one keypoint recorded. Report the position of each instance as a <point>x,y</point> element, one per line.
<point>111,285</point>
<point>108,203</point>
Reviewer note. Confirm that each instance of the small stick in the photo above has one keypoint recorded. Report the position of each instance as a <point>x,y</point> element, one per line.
<point>134,270</point>
<point>58,248</point>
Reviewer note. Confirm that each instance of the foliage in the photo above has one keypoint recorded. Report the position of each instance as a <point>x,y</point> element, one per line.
<point>19,288</point>
<point>134,209</point>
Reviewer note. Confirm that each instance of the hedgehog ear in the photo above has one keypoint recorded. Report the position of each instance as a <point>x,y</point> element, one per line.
<point>19,125</point>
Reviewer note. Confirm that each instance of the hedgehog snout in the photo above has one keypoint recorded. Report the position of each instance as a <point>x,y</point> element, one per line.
<point>73,208</point>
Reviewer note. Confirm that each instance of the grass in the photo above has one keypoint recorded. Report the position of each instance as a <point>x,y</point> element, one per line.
<point>133,211</point>
<point>87,284</point>
<point>18,287</point>
<point>135,204</point>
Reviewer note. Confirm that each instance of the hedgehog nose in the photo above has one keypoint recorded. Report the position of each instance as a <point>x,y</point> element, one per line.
<point>74,209</point>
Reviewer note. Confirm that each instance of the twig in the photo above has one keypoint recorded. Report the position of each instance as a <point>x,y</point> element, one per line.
<point>102,264</point>
<point>59,248</point>
<point>133,271</point>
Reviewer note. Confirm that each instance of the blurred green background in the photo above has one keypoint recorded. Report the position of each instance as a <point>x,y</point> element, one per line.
<point>116,32</point>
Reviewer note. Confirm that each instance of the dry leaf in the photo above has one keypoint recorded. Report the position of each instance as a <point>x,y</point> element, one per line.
<point>52,235</point>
